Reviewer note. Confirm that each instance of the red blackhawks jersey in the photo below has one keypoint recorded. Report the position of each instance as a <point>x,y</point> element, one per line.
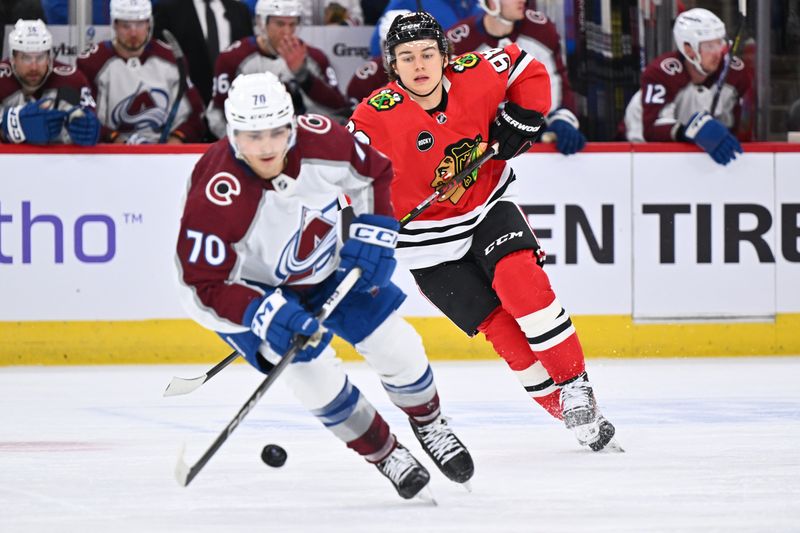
<point>66,87</point>
<point>668,97</point>
<point>319,94</point>
<point>426,147</point>
<point>534,34</point>
<point>136,95</point>
<point>239,231</point>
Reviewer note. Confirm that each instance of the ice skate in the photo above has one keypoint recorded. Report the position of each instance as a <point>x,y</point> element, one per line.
<point>579,409</point>
<point>407,475</point>
<point>444,448</point>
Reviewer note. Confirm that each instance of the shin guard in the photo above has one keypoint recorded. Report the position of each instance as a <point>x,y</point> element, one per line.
<point>545,324</point>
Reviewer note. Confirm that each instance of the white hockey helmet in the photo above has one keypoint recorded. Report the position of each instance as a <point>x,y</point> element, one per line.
<point>30,36</point>
<point>131,10</point>
<point>278,8</point>
<point>693,27</point>
<point>258,102</point>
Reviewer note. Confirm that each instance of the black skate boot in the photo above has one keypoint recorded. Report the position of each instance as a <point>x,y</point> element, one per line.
<point>579,409</point>
<point>404,471</point>
<point>449,454</point>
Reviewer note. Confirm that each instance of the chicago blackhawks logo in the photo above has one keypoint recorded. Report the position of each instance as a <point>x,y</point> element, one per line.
<point>311,247</point>
<point>385,100</point>
<point>456,157</point>
<point>466,61</point>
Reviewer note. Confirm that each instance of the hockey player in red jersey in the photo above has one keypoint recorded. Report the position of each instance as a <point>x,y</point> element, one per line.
<point>304,69</point>
<point>259,252</point>
<point>473,254</point>
<point>136,81</point>
<point>677,89</point>
<point>43,101</point>
<point>509,21</point>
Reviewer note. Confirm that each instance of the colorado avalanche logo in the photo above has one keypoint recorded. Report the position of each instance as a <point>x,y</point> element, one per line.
<point>221,188</point>
<point>311,247</point>
<point>142,109</point>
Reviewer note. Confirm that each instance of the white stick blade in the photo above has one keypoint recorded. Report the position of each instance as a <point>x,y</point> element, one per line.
<point>182,469</point>
<point>179,386</point>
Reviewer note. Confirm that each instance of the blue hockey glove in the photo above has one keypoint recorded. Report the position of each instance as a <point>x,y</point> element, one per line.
<point>32,124</point>
<point>83,126</point>
<point>370,248</point>
<point>713,137</point>
<point>277,318</point>
<point>516,129</point>
<point>564,124</point>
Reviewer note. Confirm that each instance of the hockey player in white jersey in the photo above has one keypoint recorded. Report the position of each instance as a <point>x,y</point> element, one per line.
<point>141,95</point>
<point>304,69</point>
<point>260,250</point>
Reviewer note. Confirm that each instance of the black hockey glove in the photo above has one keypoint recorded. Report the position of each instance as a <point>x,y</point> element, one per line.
<point>516,129</point>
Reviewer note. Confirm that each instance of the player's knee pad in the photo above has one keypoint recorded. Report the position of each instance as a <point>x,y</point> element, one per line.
<point>521,284</point>
<point>395,351</point>
<point>317,382</point>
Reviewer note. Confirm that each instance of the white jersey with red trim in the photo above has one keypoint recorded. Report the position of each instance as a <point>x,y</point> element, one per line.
<point>240,232</point>
<point>425,147</point>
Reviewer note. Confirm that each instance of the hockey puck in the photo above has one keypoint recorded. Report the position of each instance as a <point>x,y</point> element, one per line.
<point>273,455</point>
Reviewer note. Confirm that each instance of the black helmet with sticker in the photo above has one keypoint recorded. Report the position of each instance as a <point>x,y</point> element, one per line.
<point>413,27</point>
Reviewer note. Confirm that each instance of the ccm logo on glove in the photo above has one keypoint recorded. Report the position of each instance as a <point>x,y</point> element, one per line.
<point>374,235</point>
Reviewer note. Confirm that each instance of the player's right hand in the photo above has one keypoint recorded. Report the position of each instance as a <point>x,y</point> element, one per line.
<point>713,137</point>
<point>277,319</point>
<point>370,248</point>
<point>34,123</point>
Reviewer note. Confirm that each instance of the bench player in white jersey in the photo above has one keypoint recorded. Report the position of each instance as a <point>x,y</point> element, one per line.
<point>259,252</point>
<point>304,69</point>
<point>677,88</point>
<point>508,21</point>
<point>43,101</point>
<point>473,254</point>
<point>135,80</point>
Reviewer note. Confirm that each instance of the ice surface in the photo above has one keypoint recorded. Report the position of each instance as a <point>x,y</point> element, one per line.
<point>712,445</point>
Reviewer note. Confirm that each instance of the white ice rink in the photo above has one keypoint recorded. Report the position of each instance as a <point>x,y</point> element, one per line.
<point>712,445</point>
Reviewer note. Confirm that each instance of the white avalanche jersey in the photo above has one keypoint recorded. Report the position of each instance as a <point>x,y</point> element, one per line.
<point>136,95</point>
<point>241,234</point>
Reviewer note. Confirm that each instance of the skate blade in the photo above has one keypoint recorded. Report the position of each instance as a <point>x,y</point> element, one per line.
<point>467,486</point>
<point>612,447</point>
<point>426,495</point>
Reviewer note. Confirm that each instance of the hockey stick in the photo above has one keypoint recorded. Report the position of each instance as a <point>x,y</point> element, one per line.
<point>451,184</point>
<point>179,386</point>
<point>729,58</point>
<point>179,61</point>
<point>185,473</point>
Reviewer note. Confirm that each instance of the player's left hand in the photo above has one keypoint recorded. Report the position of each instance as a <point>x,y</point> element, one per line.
<point>294,52</point>
<point>564,124</point>
<point>712,136</point>
<point>83,126</point>
<point>370,248</point>
<point>516,129</point>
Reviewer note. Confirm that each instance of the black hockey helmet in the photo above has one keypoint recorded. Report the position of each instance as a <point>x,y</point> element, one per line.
<point>413,27</point>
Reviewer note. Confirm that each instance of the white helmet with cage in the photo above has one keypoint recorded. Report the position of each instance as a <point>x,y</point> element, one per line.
<point>131,10</point>
<point>693,27</point>
<point>30,36</point>
<point>258,102</point>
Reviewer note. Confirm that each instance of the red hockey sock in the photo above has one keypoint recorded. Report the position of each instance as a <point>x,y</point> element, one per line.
<point>503,332</point>
<point>525,292</point>
<point>375,443</point>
